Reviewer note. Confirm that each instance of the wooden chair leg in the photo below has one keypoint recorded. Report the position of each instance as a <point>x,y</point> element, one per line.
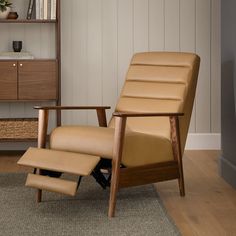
<point>113,194</point>
<point>39,195</point>
<point>38,191</point>
<point>175,140</point>
<point>42,134</point>
<point>120,123</point>
<point>181,187</point>
<point>181,181</point>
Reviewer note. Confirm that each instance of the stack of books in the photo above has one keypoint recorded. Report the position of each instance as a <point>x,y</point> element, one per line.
<point>42,9</point>
<point>16,56</point>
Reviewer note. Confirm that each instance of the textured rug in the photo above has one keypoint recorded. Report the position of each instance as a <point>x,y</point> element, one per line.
<point>139,211</point>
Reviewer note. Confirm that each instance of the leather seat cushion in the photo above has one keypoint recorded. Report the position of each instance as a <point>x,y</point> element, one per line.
<point>139,148</point>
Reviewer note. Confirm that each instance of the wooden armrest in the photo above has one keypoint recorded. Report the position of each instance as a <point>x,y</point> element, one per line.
<point>143,114</point>
<point>100,111</point>
<point>72,107</point>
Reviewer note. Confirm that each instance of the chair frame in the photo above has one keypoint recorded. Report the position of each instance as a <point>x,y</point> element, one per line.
<point>130,176</point>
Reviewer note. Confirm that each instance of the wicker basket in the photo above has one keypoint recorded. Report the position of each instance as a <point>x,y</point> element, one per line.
<point>18,128</point>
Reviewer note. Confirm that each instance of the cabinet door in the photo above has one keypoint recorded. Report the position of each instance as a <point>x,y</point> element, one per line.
<point>37,80</point>
<point>8,80</point>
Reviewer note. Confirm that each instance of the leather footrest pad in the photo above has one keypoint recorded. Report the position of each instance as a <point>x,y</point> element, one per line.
<point>51,184</point>
<point>68,162</point>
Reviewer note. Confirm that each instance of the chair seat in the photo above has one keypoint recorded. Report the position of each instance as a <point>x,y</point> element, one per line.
<point>68,162</point>
<point>139,148</point>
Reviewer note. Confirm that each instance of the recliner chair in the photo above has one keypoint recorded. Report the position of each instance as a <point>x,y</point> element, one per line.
<point>145,137</point>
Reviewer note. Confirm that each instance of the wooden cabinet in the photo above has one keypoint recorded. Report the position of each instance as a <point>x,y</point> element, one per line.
<point>37,80</point>
<point>8,80</point>
<point>28,80</point>
<point>32,82</point>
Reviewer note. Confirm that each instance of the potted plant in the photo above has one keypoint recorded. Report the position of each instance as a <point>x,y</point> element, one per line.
<point>4,8</point>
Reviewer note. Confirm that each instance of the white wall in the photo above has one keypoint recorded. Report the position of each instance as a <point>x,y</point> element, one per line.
<point>100,36</point>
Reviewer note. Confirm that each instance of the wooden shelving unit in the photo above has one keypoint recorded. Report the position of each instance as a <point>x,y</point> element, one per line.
<point>35,80</point>
<point>28,21</point>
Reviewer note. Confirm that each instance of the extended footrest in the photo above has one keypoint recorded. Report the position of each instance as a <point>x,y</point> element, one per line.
<point>51,184</point>
<point>60,161</point>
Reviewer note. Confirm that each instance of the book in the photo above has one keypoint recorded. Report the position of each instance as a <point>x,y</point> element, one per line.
<point>41,10</point>
<point>30,9</point>
<point>37,9</point>
<point>53,9</point>
<point>45,9</point>
<point>16,56</point>
<point>49,9</point>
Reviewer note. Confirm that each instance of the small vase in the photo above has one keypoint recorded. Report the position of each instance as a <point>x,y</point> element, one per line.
<point>4,14</point>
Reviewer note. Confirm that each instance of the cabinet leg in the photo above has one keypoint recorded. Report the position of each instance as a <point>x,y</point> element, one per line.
<point>39,195</point>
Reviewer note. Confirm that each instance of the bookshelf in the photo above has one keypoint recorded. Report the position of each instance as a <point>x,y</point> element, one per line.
<point>37,80</point>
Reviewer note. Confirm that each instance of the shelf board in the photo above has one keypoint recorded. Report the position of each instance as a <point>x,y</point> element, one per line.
<point>9,140</point>
<point>33,100</point>
<point>27,21</point>
<point>34,59</point>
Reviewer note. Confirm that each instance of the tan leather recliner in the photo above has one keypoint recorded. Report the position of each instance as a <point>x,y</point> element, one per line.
<point>146,135</point>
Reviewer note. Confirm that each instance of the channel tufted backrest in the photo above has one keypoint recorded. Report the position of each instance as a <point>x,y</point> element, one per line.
<point>160,82</point>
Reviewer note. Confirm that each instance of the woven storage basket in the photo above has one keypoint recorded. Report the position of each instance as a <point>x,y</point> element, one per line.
<point>18,128</point>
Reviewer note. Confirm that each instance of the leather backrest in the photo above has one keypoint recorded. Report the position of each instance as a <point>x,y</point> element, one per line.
<point>161,82</point>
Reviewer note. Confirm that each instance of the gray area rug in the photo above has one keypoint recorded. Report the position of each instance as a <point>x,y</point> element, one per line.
<point>138,212</point>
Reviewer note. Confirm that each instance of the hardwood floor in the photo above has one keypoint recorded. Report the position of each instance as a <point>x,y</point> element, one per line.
<point>209,207</point>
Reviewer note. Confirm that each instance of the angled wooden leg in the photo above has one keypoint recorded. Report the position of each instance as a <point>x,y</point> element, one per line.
<point>120,123</point>
<point>102,120</point>
<point>39,195</point>
<point>175,140</point>
<point>181,179</point>
<point>42,135</point>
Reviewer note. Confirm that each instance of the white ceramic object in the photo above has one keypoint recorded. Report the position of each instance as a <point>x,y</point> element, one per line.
<point>4,14</point>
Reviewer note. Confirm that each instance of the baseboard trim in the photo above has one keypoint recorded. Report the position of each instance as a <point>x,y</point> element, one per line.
<point>228,171</point>
<point>203,141</point>
<point>206,141</point>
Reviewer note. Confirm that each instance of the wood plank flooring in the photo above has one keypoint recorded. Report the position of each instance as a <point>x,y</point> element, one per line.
<point>209,207</point>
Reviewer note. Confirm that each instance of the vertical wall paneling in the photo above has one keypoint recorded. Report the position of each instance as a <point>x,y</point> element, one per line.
<point>188,38</point>
<point>156,25</point>
<point>66,69</point>
<point>99,38</point>
<point>203,48</point>
<point>79,59</point>
<point>172,25</point>
<point>32,39</point>
<point>94,49</point>
<point>4,45</point>
<point>47,41</point>
<point>125,38</point>
<point>215,66</point>
<point>141,25</point>
<point>20,6</point>
<point>109,54</point>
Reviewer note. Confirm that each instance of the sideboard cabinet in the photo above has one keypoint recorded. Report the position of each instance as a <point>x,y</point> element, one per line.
<point>32,82</point>
<point>28,80</point>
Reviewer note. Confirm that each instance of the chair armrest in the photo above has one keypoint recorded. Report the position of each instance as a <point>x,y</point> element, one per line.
<point>144,114</point>
<point>100,111</point>
<point>72,107</point>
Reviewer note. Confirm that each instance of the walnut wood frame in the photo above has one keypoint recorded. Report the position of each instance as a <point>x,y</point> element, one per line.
<point>130,176</point>
<point>43,125</point>
<point>133,176</point>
